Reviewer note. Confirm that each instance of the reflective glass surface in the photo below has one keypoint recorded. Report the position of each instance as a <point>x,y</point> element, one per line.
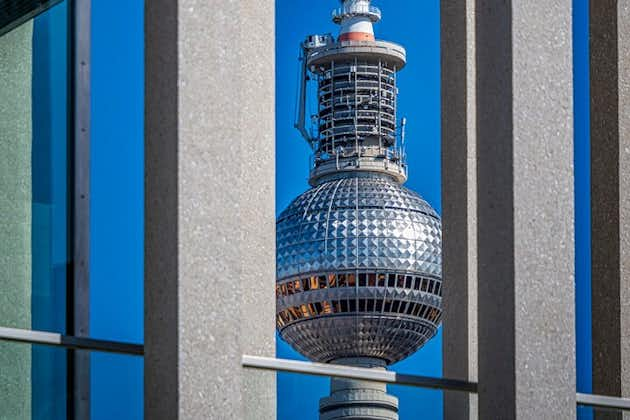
<point>34,172</point>
<point>117,386</point>
<point>36,387</point>
<point>32,382</point>
<point>33,211</point>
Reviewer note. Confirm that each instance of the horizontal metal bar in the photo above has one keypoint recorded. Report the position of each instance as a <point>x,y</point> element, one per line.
<point>70,342</point>
<point>603,401</point>
<point>375,375</point>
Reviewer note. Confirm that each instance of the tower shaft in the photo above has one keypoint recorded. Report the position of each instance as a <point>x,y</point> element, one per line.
<point>353,399</point>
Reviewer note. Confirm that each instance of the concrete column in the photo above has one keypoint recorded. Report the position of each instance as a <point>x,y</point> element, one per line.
<point>459,205</point>
<point>15,217</point>
<point>610,197</point>
<point>525,210</point>
<point>209,208</point>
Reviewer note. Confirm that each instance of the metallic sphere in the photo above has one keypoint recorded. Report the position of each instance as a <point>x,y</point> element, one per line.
<point>358,270</point>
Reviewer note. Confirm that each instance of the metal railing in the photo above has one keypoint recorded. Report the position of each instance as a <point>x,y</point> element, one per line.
<point>395,378</point>
<point>338,14</point>
<point>69,342</point>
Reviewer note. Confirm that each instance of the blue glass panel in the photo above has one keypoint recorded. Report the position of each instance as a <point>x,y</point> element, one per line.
<point>34,188</point>
<point>117,387</point>
<point>34,227</point>
<point>34,386</point>
<point>116,384</point>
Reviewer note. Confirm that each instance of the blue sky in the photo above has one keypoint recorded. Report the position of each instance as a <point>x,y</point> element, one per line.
<point>415,25</point>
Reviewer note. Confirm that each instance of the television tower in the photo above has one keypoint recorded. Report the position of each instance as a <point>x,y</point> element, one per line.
<point>359,270</point>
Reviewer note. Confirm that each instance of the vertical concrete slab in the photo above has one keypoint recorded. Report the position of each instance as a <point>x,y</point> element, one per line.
<point>161,184</point>
<point>15,217</point>
<point>610,198</point>
<point>459,205</point>
<point>210,208</point>
<point>525,209</point>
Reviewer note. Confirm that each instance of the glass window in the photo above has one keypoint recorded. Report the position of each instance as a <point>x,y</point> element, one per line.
<point>372,279</point>
<point>370,305</point>
<point>387,306</point>
<point>410,307</point>
<point>34,240</point>
<point>117,386</point>
<point>378,307</point>
<point>401,281</point>
<point>352,304</point>
<point>33,384</point>
<point>343,306</point>
<point>32,381</point>
<point>391,280</point>
<point>351,280</point>
<point>341,279</point>
<point>396,306</point>
<point>326,308</point>
<point>332,280</point>
<point>362,279</point>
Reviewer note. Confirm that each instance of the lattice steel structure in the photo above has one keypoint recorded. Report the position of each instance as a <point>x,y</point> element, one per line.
<point>358,255</point>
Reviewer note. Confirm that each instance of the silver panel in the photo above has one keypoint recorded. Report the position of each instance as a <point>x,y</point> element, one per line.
<point>352,223</point>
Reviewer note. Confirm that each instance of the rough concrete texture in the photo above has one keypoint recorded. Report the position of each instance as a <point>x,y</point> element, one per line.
<point>15,217</point>
<point>471,167</point>
<point>525,210</point>
<point>610,199</point>
<point>221,304</point>
<point>161,377</point>
<point>459,203</point>
<point>623,28</point>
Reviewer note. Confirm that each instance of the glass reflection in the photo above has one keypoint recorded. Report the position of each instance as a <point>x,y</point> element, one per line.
<point>34,211</point>
<point>34,172</point>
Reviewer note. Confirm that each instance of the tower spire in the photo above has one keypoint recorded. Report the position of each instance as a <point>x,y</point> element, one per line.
<point>356,18</point>
<point>355,125</point>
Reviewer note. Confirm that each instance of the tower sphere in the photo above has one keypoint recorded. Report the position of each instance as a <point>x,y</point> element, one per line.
<point>359,270</point>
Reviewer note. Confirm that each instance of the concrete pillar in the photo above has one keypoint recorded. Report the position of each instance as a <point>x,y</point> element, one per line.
<point>525,209</point>
<point>209,208</point>
<point>459,205</point>
<point>15,217</point>
<point>610,197</point>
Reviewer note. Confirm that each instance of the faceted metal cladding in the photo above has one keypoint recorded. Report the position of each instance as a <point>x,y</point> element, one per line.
<point>359,270</point>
